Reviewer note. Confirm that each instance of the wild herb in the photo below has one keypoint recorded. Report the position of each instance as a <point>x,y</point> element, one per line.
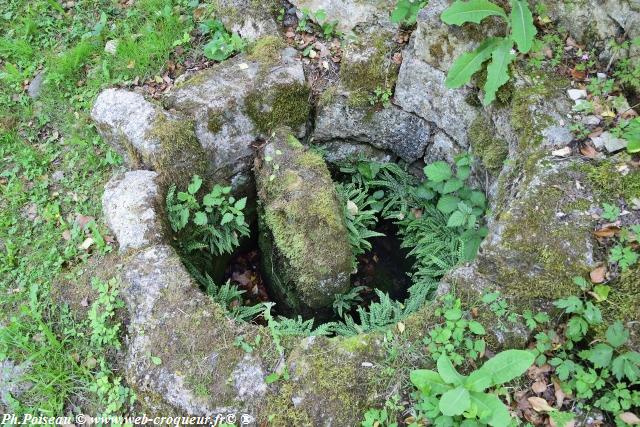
<point>215,223</point>
<point>500,50</point>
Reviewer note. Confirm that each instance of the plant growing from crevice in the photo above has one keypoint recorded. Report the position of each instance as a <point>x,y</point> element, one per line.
<point>520,32</point>
<point>343,303</point>
<point>360,216</point>
<point>216,222</point>
<point>406,11</point>
<point>222,44</point>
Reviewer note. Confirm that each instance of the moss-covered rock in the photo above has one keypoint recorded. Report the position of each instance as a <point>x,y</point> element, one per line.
<point>538,241</point>
<point>491,151</point>
<point>281,105</point>
<point>234,102</point>
<point>303,238</point>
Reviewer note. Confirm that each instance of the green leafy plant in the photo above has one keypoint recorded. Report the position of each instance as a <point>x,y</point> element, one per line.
<point>406,11</point>
<point>216,223</point>
<point>456,337</point>
<point>623,252</point>
<point>381,96</point>
<point>630,130</point>
<point>597,372</point>
<point>521,33</point>
<point>343,303</point>
<point>610,212</point>
<point>228,296</point>
<point>461,204</point>
<point>222,44</point>
<point>447,397</point>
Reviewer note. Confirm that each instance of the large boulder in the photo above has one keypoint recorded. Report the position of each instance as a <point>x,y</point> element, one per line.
<point>391,128</point>
<point>212,120</point>
<point>249,18</point>
<point>235,102</point>
<point>147,136</point>
<point>129,203</point>
<point>350,15</point>
<point>303,238</point>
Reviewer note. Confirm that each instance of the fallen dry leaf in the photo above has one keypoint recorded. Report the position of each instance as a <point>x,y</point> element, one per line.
<point>539,404</point>
<point>630,418</point>
<point>597,275</point>
<point>607,231</point>
<point>560,395</point>
<point>589,151</point>
<point>86,244</point>
<point>401,327</point>
<point>539,386</point>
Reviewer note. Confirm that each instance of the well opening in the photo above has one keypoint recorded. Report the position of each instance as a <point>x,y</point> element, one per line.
<point>398,255</point>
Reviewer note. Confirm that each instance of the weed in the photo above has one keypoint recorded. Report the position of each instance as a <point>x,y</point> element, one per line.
<point>500,49</point>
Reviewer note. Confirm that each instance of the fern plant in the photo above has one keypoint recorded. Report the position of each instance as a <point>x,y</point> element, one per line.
<point>360,216</point>
<point>228,296</point>
<point>344,302</point>
<point>216,223</point>
<point>500,50</point>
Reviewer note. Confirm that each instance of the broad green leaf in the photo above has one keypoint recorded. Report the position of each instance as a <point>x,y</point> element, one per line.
<point>456,219</point>
<point>478,198</point>
<point>463,172</point>
<point>227,218</point>
<point>438,171</point>
<point>600,355</point>
<point>491,410</point>
<point>448,204</point>
<point>634,146</point>
<point>452,185</point>
<point>507,365</point>
<point>454,402</point>
<point>200,218</point>
<point>617,334</point>
<point>627,365</point>
<point>428,382</point>
<point>476,328</point>
<point>522,29</point>
<point>467,64</point>
<point>448,373</point>
<point>498,70</point>
<point>470,11</point>
<point>478,381</point>
<point>240,204</point>
<point>194,186</point>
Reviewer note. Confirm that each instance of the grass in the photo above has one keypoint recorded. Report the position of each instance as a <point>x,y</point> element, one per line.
<point>53,164</point>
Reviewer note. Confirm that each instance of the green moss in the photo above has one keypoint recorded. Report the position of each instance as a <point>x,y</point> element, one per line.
<point>610,184</point>
<point>215,121</point>
<point>280,410</point>
<point>282,105</point>
<point>303,219</point>
<point>542,253</point>
<point>180,155</point>
<point>524,118</point>
<point>266,50</point>
<point>623,302</point>
<point>492,151</point>
<point>362,78</point>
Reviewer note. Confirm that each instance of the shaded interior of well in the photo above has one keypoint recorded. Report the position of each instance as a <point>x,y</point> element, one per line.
<point>385,267</point>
